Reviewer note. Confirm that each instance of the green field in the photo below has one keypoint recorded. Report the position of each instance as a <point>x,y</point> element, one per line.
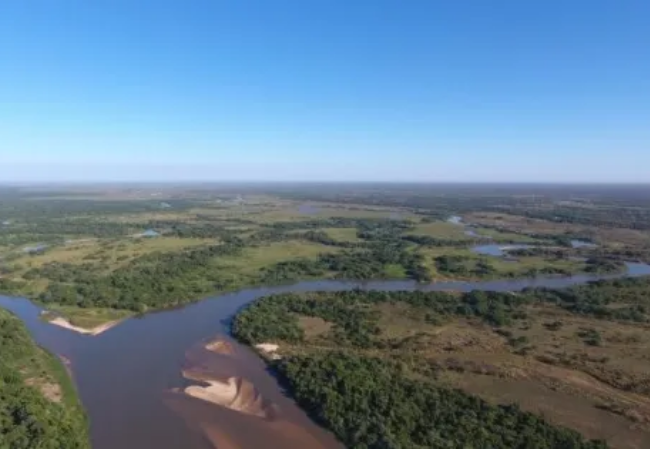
<point>441,230</point>
<point>343,234</point>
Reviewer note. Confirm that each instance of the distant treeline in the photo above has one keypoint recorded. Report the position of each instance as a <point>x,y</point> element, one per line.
<point>275,318</point>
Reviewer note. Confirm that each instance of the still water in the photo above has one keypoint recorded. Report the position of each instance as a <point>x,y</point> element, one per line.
<point>498,249</point>
<point>127,377</point>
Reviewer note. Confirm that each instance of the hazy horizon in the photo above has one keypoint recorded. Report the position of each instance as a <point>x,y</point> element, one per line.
<point>262,182</point>
<point>370,91</point>
<point>188,174</point>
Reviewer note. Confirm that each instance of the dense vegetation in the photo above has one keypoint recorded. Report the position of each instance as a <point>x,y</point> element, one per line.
<point>464,266</point>
<point>622,299</point>
<point>27,418</point>
<point>157,280</point>
<point>275,317</point>
<point>368,403</point>
<point>372,390</point>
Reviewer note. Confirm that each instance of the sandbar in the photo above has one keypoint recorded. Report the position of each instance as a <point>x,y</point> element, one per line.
<point>271,350</point>
<point>65,323</point>
<point>235,393</point>
<point>220,346</point>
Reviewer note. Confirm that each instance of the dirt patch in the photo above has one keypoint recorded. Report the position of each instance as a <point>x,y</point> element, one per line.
<point>399,321</point>
<point>457,338</point>
<point>314,326</point>
<point>50,391</point>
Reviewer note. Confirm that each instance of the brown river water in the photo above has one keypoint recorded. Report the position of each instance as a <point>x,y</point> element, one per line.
<point>131,378</point>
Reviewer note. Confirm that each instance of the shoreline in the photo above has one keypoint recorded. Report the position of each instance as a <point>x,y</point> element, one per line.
<point>99,329</point>
<point>94,331</point>
<point>626,272</point>
<point>34,309</point>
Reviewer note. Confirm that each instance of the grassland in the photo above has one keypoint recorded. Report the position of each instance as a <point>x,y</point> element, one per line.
<point>441,230</point>
<point>343,234</point>
<point>502,268</point>
<point>111,253</point>
<point>501,236</point>
<point>521,226</point>
<point>94,239</point>
<point>254,259</point>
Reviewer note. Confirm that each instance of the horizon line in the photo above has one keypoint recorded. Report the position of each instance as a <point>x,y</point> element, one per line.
<point>185,181</point>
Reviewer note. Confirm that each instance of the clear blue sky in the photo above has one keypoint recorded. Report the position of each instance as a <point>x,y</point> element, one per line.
<point>431,90</point>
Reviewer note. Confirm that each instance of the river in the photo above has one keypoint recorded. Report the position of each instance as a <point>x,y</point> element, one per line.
<point>126,377</point>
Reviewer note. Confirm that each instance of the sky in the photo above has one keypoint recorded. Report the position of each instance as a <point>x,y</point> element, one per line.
<point>325,90</point>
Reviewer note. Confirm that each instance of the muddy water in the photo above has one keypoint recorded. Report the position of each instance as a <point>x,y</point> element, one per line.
<point>130,378</point>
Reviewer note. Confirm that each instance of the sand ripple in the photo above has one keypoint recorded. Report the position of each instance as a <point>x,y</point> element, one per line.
<point>234,393</point>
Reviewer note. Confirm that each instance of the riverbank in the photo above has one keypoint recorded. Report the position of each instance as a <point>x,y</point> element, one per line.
<point>37,382</point>
<point>95,321</point>
<point>297,256</point>
<point>89,321</point>
<point>64,323</point>
<point>131,358</point>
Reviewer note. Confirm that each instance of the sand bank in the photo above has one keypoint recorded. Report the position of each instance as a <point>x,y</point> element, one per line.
<point>270,350</point>
<point>65,323</point>
<point>234,393</point>
<point>220,346</point>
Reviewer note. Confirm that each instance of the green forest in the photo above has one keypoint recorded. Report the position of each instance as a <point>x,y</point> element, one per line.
<point>355,322</point>
<point>28,418</point>
<point>367,379</point>
<point>368,403</point>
